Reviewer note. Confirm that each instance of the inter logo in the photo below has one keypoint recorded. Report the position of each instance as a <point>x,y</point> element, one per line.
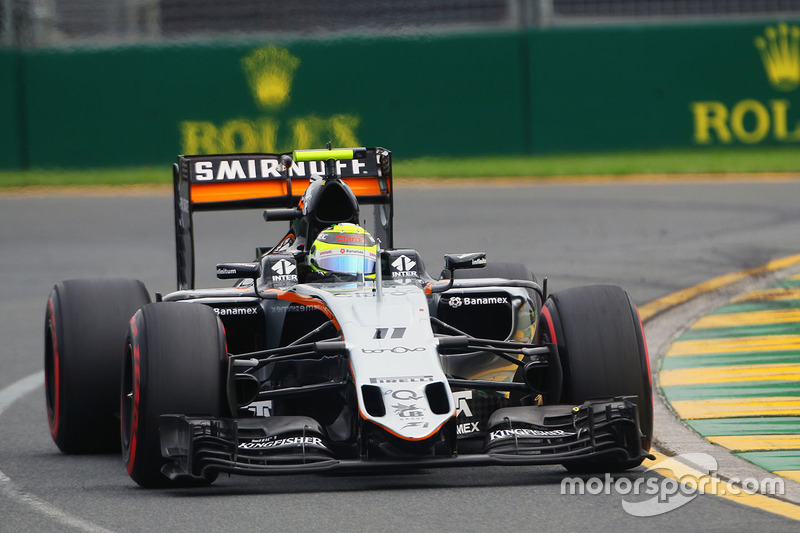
<point>284,270</point>
<point>403,267</point>
<point>283,267</point>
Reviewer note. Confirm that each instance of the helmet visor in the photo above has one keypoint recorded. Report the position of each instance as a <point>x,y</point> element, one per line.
<point>347,264</point>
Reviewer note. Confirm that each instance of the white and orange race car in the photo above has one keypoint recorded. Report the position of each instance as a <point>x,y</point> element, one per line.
<point>334,350</point>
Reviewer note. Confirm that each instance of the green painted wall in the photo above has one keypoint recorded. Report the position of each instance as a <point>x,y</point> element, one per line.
<point>145,105</point>
<point>11,155</point>
<point>533,91</point>
<point>659,86</point>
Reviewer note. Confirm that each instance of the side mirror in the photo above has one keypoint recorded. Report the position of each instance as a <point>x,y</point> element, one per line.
<point>453,262</point>
<point>238,270</point>
<point>462,261</point>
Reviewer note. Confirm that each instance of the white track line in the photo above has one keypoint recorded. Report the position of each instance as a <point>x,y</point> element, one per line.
<point>9,395</point>
<point>17,390</point>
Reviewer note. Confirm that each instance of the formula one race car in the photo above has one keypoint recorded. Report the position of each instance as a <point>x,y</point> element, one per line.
<point>335,351</point>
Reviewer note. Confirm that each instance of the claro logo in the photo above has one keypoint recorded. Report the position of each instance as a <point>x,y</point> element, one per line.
<point>270,74</point>
<point>355,238</point>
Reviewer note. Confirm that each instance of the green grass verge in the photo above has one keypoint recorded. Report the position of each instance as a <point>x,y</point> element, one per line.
<point>740,160</point>
<point>743,160</point>
<point>110,176</point>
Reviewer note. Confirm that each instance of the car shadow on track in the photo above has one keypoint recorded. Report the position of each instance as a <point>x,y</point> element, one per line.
<point>411,479</point>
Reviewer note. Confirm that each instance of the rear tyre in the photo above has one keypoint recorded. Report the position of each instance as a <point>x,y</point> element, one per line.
<point>84,334</point>
<point>603,354</point>
<point>175,363</point>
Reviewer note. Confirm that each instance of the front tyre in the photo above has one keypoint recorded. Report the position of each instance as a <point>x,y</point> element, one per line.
<point>603,354</point>
<point>175,363</point>
<point>84,333</point>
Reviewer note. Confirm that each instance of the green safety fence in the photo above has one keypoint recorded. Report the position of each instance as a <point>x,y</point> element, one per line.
<point>11,133</point>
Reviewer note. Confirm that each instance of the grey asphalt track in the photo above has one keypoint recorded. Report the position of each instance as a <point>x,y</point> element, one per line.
<point>652,239</point>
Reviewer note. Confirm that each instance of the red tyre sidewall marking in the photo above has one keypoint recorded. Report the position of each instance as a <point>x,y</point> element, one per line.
<point>136,386</point>
<point>225,340</point>
<point>649,375</point>
<point>53,417</point>
<point>549,319</point>
<point>646,352</point>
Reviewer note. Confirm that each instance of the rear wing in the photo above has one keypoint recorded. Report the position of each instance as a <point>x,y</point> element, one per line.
<point>251,181</point>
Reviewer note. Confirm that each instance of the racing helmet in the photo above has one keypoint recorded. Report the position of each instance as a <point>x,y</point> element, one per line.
<point>344,249</point>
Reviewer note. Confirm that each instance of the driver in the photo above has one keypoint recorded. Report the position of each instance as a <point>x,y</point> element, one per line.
<point>341,252</point>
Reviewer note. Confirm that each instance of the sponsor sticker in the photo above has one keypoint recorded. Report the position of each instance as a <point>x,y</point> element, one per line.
<point>284,270</point>
<point>358,252</point>
<point>528,432</point>
<point>462,403</point>
<point>226,169</point>
<point>292,308</point>
<point>272,442</point>
<point>467,428</point>
<point>408,410</point>
<point>396,349</point>
<point>401,379</point>
<point>403,267</point>
<point>346,238</point>
<point>228,311</point>
<point>458,301</point>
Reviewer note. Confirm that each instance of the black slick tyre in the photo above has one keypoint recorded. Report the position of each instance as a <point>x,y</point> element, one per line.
<point>175,363</point>
<point>603,354</point>
<point>84,336</point>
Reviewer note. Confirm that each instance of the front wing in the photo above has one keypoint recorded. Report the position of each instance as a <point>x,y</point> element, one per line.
<point>525,435</point>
